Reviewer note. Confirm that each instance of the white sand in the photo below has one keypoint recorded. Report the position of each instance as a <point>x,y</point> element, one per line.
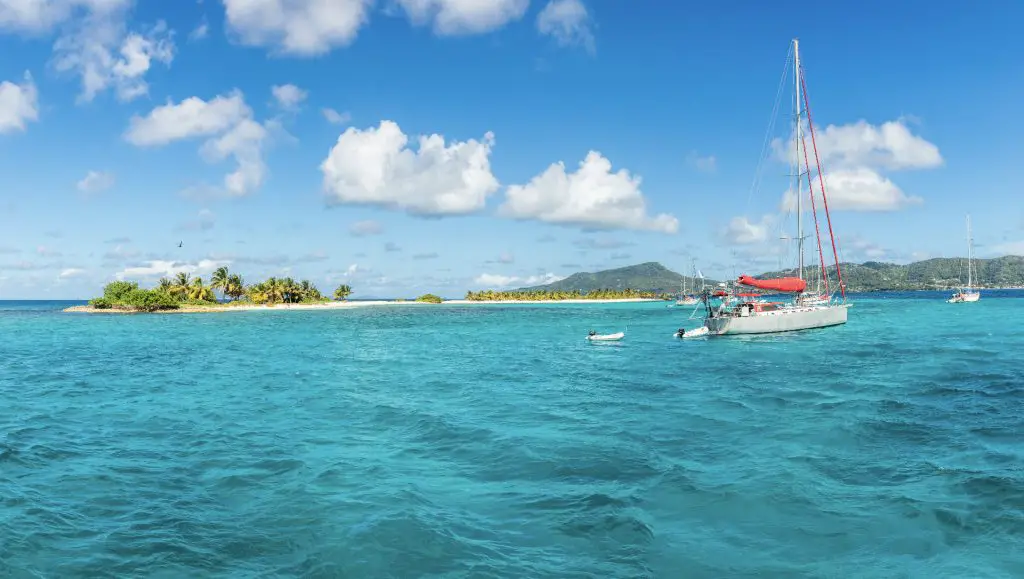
<point>344,305</point>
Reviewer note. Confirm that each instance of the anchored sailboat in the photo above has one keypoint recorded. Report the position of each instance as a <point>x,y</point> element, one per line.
<point>967,295</point>
<point>688,299</point>
<point>743,312</point>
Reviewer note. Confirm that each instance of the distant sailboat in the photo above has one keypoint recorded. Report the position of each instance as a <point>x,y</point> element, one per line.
<point>688,299</point>
<point>964,296</point>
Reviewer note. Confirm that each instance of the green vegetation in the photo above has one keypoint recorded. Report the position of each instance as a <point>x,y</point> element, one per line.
<point>654,279</point>
<point>649,277</point>
<point>342,292</point>
<point>184,290</point>
<point>429,298</point>
<point>932,274</point>
<point>554,295</point>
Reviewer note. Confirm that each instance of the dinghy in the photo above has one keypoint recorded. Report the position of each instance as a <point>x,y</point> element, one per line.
<point>694,333</point>
<point>606,337</point>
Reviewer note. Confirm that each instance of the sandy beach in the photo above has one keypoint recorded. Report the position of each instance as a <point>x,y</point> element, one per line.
<point>188,309</point>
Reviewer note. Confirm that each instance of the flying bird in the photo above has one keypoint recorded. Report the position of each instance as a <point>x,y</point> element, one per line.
<point>179,243</point>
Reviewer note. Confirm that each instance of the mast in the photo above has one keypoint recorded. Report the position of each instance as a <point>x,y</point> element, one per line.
<point>970,250</point>
<point>799,139</point>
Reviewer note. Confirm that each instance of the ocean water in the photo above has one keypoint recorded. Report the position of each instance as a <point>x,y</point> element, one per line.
<point>493,441</point>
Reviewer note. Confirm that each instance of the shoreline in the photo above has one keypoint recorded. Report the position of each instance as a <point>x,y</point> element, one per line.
<point>188,309</point>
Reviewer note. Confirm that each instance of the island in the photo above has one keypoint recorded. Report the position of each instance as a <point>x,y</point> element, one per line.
<point>643,282</point>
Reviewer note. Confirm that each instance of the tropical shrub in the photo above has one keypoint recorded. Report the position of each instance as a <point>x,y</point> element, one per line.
<point>429,298</point>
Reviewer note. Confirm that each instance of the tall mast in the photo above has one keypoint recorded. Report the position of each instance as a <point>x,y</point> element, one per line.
<point>970,250</point>
<point>799,139</point>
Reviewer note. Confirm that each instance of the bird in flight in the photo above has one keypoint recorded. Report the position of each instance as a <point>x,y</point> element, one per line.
<point>179,243</point>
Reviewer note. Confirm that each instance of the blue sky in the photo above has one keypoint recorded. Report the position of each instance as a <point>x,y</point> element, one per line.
<point>126,127</point>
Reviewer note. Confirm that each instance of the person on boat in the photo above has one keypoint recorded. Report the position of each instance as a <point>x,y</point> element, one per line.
<point>592,333</point>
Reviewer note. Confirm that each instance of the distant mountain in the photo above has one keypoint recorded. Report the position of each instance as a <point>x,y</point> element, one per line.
<point>938,273</point>
<point>650,276</point>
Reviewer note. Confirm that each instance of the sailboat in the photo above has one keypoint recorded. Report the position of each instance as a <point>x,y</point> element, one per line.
<point>743,312</point>
<point>688,299</point>
<point>963,296</point>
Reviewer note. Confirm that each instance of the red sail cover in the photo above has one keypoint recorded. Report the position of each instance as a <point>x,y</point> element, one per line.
<point>784,284</point>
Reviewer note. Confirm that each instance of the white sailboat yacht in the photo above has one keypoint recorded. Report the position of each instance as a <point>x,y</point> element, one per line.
<point>742,312</point>
<point>688,299</point>
<point>969,294</point>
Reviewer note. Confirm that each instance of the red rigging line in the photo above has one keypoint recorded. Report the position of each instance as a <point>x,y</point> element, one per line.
<point>824,197</point>
<point>814,211</point>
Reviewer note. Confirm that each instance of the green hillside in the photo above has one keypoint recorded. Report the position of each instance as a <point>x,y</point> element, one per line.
<point>650,276</point>
<point>938,273</point>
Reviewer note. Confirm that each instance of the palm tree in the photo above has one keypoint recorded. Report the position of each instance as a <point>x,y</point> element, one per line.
<point>164,285</point>
<point>235,287</point>
<point>342,292</point>
<point>219,280</point>
<point>199,292</point>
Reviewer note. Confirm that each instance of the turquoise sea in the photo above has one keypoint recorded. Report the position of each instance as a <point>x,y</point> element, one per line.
<point>493,441</point>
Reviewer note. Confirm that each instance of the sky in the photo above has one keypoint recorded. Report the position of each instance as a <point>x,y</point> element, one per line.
<point>412,146</point>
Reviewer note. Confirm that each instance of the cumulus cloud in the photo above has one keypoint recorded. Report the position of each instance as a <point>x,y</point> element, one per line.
<point>288,96</point>
<point>104,55</point>
<point>493,280</point>
<point>297,27</point>
<point>71,272</point>
<point>742,231</point>
<point>19,104</point>
<point>376,167</point>
<point>568,22</point>
<point>225,121</point>
<point>855,158</point>
<point>592,197</point>
<point>463,17</point>
<point>96,181</point>
<point>334,117</point>
<point>859,189</point>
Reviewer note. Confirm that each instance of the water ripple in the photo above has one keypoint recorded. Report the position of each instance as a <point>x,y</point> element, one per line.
<point>495,442</point>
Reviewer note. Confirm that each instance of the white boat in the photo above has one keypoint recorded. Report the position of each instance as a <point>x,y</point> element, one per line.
<point>968,295</point>
<point>686,299</point>
<point>606,337</point>
<point>694,333</point>
<point>747,313</point>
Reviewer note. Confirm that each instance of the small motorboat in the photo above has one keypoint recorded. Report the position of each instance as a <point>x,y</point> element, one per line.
<point>595,337</point>
<point>694,333</point>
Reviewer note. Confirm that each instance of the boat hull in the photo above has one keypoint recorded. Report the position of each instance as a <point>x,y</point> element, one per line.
<point>965,298</point>
<point>786,320</point>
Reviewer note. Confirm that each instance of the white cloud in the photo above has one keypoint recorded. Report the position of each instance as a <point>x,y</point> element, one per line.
<point>463,17</point>
<point>297,27</point>
<point>47,252</point>
<point>334,117</point>
<point>500,281</point>
<point>19,104</point>
<point>375,167</point>
<point>593,197</point>
<point>860,189</point>
<point>228,123</point>
<point>192,117</point>
<point>288,96</point>
<point>71,272</point>
<point>567,22</point>
<point>162,268</point>
<point>96,181</point>
<point>890,146</point>
<point>741,231</point>
<point>364,228</point>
